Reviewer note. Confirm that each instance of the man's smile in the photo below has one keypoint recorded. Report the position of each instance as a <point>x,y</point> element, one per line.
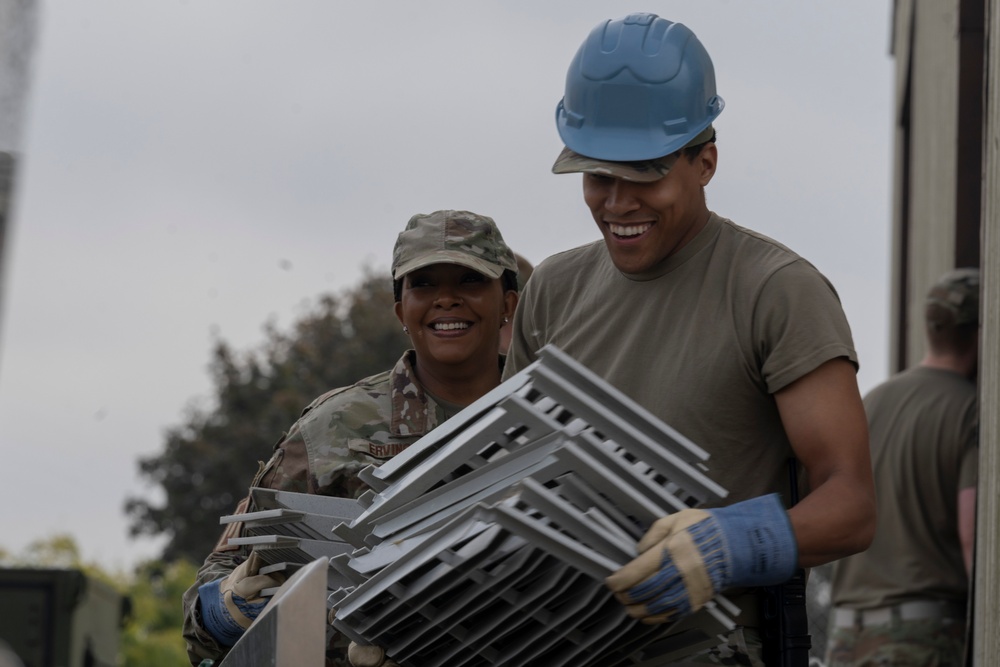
<point>626,231</point>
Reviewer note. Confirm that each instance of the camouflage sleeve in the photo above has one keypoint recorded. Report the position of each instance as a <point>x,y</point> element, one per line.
<point>287,470</point>
<point>290,468</point>
<point>330,443</point>
<point>200,644</point>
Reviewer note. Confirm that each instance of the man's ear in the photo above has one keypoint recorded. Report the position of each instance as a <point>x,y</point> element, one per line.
<point>707,161</point>
<point>398,309</point>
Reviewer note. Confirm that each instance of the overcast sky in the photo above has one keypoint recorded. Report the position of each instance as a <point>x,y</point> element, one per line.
<point>194,169</point>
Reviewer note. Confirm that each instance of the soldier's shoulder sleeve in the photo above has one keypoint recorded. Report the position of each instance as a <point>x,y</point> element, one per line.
<point>336,397</point>
<point>345,403</point>
<point>290,467</point>
<point>338,434</point>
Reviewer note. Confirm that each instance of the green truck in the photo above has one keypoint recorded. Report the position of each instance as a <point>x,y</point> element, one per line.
<point>60,618</point>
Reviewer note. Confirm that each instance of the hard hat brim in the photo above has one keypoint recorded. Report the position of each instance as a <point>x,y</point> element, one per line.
<point>639,171</point>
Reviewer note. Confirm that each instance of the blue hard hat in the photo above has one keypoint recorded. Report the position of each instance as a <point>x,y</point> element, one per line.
<point>639,88</point>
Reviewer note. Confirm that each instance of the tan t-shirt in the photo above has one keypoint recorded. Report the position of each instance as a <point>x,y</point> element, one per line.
<point>923,428</point>
<point>703,341</point>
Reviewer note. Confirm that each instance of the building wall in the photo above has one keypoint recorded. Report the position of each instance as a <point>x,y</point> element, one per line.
<point>986,610</point>
<point>946,213</point>
<point>926,51</point>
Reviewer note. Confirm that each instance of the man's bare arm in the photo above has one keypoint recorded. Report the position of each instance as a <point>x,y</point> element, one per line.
<point>825,421</point>
<point>967,525</point>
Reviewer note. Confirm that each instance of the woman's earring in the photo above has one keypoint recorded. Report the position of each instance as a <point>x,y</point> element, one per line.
<point>406,330</point>
<point>505,320</point>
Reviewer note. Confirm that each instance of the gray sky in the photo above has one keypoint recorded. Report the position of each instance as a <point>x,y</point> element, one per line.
<point>196,168</point>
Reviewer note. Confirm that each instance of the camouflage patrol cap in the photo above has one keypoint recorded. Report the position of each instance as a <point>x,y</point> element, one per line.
<point>957,292</point>
<point>452,237</point>
<point>640,171</point>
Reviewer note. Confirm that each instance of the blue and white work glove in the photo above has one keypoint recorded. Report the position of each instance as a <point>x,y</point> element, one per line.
<point>230,605</point>
<point>690,556</point>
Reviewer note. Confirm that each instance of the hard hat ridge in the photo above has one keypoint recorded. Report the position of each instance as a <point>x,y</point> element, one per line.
<point>656,59</point>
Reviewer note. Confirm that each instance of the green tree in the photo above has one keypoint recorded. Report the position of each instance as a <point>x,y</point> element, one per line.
<point>152,635</point>
<point>210,458</point>
<point>58,551</point>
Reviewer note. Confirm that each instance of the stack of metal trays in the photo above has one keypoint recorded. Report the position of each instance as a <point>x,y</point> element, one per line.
<point>487,541</point>
<point>289,530</point>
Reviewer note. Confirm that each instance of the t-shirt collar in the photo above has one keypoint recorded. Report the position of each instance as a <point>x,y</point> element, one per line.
<point>707,234</point>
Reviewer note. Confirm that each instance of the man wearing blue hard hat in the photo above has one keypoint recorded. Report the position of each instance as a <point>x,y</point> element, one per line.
<point>726,335</point>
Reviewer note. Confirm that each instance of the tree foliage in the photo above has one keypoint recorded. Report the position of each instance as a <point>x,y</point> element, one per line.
<point>209,460</point>
<point>153,633</point>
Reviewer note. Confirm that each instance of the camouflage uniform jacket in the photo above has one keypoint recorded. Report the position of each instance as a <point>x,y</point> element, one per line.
<point>337,435</point>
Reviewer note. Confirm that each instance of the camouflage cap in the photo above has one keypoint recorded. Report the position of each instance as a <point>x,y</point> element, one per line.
<point>640,171</point>
<point>958,293</point>
<point>452,237</point>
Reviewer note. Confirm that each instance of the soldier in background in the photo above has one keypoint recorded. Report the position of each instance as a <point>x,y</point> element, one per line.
<point>903,602</point>
<point>455,286</point>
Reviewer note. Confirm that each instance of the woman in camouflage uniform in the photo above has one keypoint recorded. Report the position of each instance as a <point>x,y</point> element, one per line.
<point>455,285</point>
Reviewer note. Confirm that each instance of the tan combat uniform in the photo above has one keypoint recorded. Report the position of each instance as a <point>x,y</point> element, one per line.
<point>903,601</point>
